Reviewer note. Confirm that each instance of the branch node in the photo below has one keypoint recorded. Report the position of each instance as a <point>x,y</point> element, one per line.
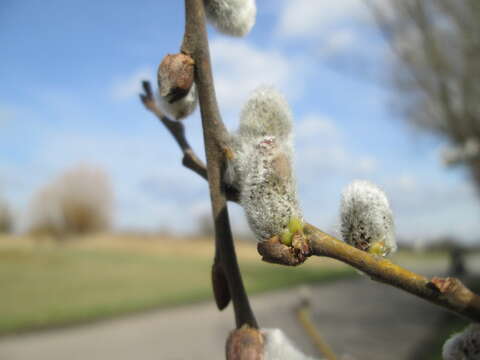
<point>454,291</point>
<point>274,251</point>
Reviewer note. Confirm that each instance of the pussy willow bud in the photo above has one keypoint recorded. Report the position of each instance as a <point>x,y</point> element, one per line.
<point>279,347</point>
<point>266,113</point>
<point>232,17</point>
<point>366,218</point>
<point>261,167</point>
<point>177,91</point>
<point>464,345</point>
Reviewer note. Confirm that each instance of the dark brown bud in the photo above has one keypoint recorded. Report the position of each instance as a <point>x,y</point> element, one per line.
<point>245,343</point>
<point>220,286</point>
<point>175,76</point>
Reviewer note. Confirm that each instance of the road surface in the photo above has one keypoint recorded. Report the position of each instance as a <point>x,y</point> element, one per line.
<point>358,316</point>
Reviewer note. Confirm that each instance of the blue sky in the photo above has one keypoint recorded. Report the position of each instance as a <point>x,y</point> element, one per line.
<point>71,74</point>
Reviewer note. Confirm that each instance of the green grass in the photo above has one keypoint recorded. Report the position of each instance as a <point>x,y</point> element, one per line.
<point>52,286</point>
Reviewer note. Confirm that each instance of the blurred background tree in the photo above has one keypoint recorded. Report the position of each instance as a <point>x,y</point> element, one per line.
<point>436,75</point>
<point>6,218</point>
<point>205,226</point>
<point>78,202</point>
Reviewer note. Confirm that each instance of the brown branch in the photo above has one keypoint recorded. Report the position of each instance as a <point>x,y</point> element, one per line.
<point>195,44</point>
<point>176,129</point>
<point>455,297</point>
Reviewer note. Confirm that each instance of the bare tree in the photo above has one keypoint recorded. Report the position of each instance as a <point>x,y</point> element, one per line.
<point>190,70</point>
<point>437,85</point>
<point>77,202</point>
<point>205,226</point>
<point>6,218</point>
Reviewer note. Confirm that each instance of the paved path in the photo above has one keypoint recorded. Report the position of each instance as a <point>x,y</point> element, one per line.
<point>359,317</point>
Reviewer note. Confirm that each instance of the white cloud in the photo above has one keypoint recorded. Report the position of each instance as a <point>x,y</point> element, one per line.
<point>315,125</point>
<point>338,41</point>
<point>428,209</point>
<point>335,159</point>
<point>240,67</point>
<point>321,148</point>
<point>311,18</point>
<point>305,18</point>
<point>130,86</point>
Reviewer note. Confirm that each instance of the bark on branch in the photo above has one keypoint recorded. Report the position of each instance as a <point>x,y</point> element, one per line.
<point>449,293</point>
<point>195,44</point>
<point>176,129</point>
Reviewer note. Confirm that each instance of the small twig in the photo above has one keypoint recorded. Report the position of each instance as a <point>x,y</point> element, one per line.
<point>176,128</point>
<point>304,317</point>
<point>455,297</point>
<point>195,44</point>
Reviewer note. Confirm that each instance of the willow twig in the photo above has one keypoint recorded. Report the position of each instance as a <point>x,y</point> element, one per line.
<point>195,44</point>
<point>176,129</point>
<point>449,293</point>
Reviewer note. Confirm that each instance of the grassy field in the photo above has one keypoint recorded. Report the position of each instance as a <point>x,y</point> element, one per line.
<point>43,284</point>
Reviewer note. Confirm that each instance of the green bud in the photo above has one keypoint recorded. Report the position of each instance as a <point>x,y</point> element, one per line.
<point>295,225</point>
<point>286,237</point>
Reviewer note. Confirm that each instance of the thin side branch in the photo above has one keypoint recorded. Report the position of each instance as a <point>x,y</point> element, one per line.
<point>449,293</point>
<point>176,128</point>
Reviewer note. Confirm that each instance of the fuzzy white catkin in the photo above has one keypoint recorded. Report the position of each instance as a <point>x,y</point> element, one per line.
<point>262,166</point>
<point>231,17</point>
<point>366,217</point>
<point>266,113</point>
<point>181,108</point>
<point>279,347</point>
<point>464,345</point>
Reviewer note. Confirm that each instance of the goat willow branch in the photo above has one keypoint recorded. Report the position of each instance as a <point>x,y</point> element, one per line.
<point>176,129</point>
<point>195,44</point>
<point>449,293</point>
